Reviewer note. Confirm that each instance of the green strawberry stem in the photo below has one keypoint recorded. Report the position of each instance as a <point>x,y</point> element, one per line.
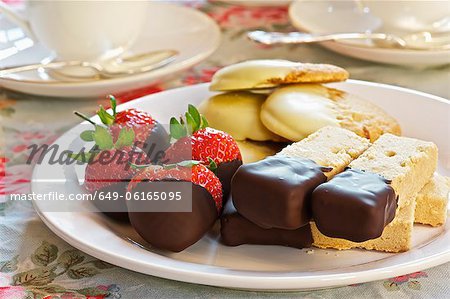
<point>84,117</point>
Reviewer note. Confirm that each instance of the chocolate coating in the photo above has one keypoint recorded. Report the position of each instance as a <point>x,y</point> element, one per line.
<point>354,205</point>
<point>275,192</point>
<point>225,172</point>
<point>157,142</point>
<point>119,206</point>
<point>236,230</point>
<point>175,231</point>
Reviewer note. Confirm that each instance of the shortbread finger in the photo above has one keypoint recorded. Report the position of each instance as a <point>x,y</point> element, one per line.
<point>331,147</point>
<point>408,164</point>
<point>431,202</point>
<point>275,192</point>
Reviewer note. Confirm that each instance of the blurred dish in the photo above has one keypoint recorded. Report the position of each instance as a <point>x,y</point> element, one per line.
<point>193,34</point>
<point>328,16</point>
<point>258,2</point>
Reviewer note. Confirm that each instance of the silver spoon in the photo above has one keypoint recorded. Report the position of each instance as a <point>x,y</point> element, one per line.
<point>416,41</point>
<point>271,38</point>
<point>112,68</point>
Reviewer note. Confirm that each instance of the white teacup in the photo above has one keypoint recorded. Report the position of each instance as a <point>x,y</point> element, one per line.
<point>82,30</point>
<point>408,15</point>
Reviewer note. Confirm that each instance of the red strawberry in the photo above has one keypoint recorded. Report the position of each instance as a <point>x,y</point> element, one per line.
<point>198,174</point>
<point>109,167</point>
<point>197,141</point>
<point>108,171</point>
<point>150,136</point>
<point>173,230</point>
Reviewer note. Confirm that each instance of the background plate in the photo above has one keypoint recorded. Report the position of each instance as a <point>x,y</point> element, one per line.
<point>194,34</point>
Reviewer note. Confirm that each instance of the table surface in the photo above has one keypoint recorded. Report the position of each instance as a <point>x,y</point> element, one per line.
<point>26,244</point>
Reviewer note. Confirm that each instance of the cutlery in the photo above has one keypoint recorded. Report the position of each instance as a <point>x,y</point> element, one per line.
<point>415,41</point>
<point>70,71</point>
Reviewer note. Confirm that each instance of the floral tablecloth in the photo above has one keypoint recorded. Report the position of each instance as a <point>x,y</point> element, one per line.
<point>35,263</point>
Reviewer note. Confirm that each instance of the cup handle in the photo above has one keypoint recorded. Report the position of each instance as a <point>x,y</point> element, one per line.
<point>17,19</point>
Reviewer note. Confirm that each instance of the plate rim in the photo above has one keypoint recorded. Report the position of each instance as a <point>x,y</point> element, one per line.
<point>250,279</point>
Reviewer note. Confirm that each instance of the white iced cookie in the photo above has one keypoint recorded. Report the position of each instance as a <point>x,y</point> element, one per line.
<point>296,111</point>
<point>237,113</point>
<point>256,74</point>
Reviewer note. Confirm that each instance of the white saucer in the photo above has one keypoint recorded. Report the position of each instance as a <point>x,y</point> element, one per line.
<point>252,266</point>
<point>345,16</point>
<point>191,32</point>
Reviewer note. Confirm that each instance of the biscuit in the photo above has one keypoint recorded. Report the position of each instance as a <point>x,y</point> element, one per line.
<point>253,151</point>
<point>409,164</point>
<point>237,113</point>
<point>295,111</point>
<point>329,147</point>
<point>431,202</point>
<point>256,74</point>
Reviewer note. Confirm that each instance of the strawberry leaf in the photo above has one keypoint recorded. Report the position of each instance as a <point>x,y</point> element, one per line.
<point>126,138</point>
<point>192,110</point>
<point>87,135</point>
<point>212,164</point>
<point>103,138</point>
<point>190,124</point>
<point>177,130</point>
<point>113,102</point>
<point>204,122</point>
<point>105,117</point>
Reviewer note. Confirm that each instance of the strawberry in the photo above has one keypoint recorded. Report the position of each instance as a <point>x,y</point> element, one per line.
<point>173,230</point>
<point>108,169</point>
<point>150,135</point>
<point>198,174</point>
<point>196,141</point>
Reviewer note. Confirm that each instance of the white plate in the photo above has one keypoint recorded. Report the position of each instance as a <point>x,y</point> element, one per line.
<point>195,35</point>
<point>345,16</point>
<point>260,267</point>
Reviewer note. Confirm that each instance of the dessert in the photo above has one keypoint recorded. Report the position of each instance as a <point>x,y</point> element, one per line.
<point>275,192</point>
<point>150,135</point>
<point>255,74</point>
<point>330,147</point>
<point>354,205</point>
<point>197,141</point>
<point>175,231</point>
<point>431,202</point>
<point>295,111</point>
<point>408,164</point>
<point>237,230</point>
<point>237,113</point>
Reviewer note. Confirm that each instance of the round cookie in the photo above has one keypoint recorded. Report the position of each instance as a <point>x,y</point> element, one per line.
<point>298,110</point>
<point>237,113</point>
<point>256,74</point>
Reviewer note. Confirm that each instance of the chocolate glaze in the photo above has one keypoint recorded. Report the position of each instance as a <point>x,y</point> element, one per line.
<point>275,192</point>
<point>236,230</point>
<point>225,172</point>
<point>175,231</point>
<point>119,205</point>
<point>157,142</point>
<point>354,205</point>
